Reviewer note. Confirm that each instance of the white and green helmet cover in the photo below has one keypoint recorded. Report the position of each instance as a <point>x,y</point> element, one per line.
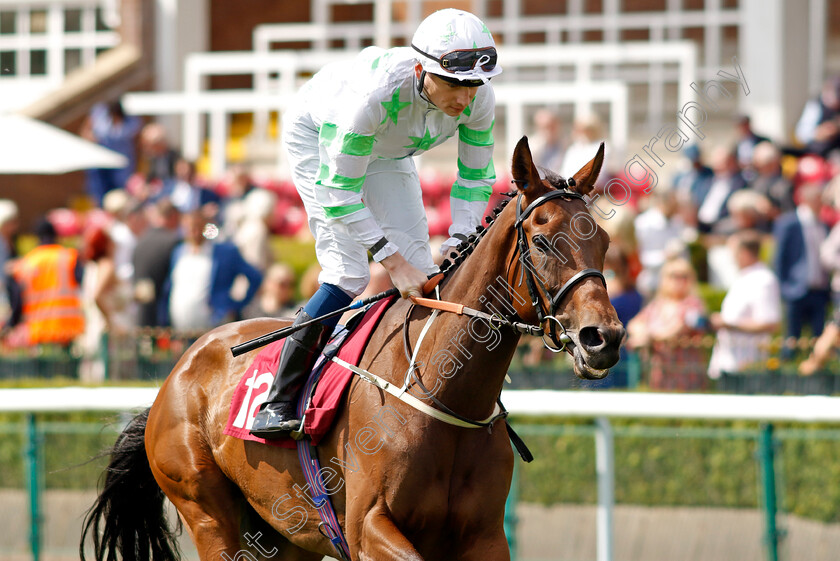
<point>452,30</point>
<point>370,107</point>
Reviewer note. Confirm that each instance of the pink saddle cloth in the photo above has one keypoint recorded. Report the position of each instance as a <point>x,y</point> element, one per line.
<point>254,385</point>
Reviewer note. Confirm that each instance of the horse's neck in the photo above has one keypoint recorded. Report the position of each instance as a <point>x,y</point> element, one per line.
<point>480,355</point>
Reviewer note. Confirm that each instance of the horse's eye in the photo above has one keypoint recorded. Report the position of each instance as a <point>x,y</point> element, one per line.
<point>540,241</point>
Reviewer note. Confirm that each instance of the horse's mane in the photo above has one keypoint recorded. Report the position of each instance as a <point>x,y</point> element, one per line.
<point>465,248</point>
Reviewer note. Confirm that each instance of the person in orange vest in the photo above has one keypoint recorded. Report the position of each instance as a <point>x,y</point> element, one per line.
<point>49,279</point>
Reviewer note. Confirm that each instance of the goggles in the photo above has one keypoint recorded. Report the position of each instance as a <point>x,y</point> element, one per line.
<point>465,60</point>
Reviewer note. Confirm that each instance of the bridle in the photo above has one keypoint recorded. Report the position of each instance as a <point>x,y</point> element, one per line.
<point>562,339</point>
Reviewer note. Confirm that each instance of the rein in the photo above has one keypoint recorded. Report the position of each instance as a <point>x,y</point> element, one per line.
<point>495,321</point>
<point>544,317</point>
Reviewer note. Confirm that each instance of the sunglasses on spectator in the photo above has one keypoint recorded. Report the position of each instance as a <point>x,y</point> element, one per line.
<point>465,60</point>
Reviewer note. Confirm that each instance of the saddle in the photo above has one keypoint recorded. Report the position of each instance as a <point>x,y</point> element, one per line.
<point>323,392</point>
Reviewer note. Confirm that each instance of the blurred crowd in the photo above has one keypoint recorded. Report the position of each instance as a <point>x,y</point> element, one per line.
<point>741,242</point>
<point>158,248</point>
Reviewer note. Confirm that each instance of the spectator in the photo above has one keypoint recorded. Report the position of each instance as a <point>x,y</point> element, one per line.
<point>824,348</point>
<point>9,292</point>
<point>276,297</point>
<point>547,146</point>
<point>665,327</point>
<point>627,303</point>
<point>187,193</point>
<point>49,277</point>
<point>802,278</point>
<point>253,231</point>
<point>769,180</point>
<point>746,210</point>
<point>127,223</point>
<point>746,141</point>
<point>152,260</point>
<point>727,179</point>
<point>109,126</point>
<point>750,312</point>
<point>157,161</point>
<point>819,126</point>
<point>830,248</point>
<point>622,231</point>
<point>624,297</point>
<point>202,276</point>
<point>830,259</point>
<point>587,134</point>
<point>233,203</point>
<point>181,189</point>
<point>660,232</point>
<point>107,302</point>
<point>694,183</point>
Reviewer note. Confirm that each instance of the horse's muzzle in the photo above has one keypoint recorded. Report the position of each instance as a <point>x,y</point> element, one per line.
<point>596,350</point>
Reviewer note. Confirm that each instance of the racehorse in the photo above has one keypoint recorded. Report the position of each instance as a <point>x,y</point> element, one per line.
<point>404,485</point>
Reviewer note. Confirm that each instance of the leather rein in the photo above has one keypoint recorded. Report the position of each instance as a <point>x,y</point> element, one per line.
<point>495,321</point>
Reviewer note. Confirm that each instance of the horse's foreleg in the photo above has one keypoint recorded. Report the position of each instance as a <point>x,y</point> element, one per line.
<point>383,541</point>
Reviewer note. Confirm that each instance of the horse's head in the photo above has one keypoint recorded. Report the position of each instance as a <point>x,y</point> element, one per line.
<point>561,251</point>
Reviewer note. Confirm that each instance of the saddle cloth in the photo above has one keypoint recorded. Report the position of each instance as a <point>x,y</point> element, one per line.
<point>254,385</point>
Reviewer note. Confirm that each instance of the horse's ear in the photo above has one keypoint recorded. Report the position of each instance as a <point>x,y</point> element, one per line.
<point>587,175</point>
<point>522,168</point>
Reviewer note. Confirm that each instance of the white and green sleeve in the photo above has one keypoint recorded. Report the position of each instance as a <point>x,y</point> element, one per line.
<point>476,173</point>
<point>344,153</point>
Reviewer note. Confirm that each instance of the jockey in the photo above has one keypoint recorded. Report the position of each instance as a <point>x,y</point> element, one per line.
<point>349,138</point>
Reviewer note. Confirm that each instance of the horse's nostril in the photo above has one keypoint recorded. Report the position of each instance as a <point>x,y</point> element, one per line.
<point>591,338</point>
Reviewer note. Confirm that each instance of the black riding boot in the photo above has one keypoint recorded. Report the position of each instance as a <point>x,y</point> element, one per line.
<point>278,415</point>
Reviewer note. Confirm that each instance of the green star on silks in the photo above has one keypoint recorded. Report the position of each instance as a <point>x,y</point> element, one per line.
<point>422,142</point>
<point>447,37</point>
<point>393,107</point>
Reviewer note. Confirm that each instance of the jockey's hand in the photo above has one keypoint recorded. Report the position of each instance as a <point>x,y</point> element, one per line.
<point>406,278</point>
<point>448,247</point>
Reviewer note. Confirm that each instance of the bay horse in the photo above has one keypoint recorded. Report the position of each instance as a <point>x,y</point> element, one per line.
<point>404,485</point>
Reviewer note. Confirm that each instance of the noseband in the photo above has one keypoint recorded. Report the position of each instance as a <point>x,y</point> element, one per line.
<point>558,340</point>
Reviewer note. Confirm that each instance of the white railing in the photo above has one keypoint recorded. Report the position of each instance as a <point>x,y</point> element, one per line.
<point>513,99</point>
<point>574,74</point>
<point>217,104</point>
<point>600,406</point>
<point>651,63</point>
<point>587,404</point>
<point>44,40</point>
<point>556,28</point>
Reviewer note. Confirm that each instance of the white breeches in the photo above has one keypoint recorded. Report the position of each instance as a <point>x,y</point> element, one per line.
<point>392,193</point>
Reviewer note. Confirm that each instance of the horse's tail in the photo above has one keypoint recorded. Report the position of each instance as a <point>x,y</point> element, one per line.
<point>128,516</point>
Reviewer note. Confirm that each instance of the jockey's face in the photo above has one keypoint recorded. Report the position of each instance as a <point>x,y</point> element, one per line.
<point>447,97</point>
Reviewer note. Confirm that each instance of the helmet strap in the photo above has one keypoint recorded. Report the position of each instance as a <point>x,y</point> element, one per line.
<point>420,91</point>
